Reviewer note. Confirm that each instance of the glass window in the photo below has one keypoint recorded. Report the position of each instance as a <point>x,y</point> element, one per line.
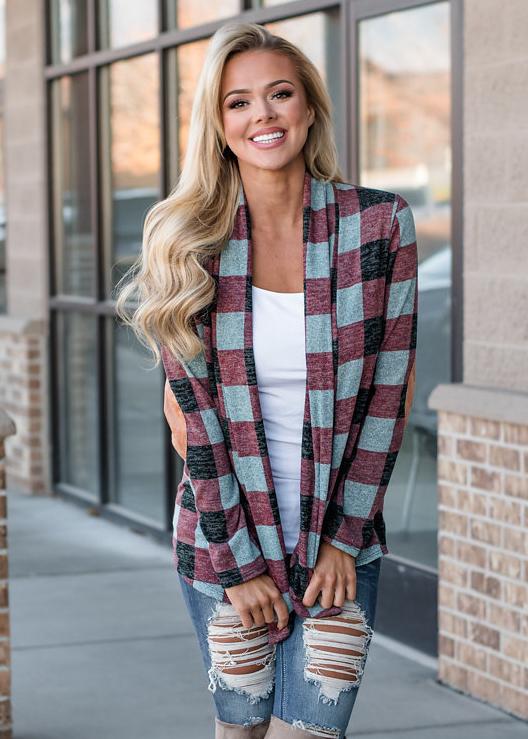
<point>186,13</point>
<point>186,65</point>
<point>405,147</point>
<point>131,157</point>
<point>123,22</point>
<point>77,386</point>
<point>69,29</point>
<point>318,36</point>
<point>72,162</point>
<point>138,434</point>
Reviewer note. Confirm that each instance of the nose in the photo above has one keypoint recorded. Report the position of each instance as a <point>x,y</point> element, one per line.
<point>264,110</point>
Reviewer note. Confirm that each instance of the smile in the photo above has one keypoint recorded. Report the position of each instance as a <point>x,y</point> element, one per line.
<point>269,140</point>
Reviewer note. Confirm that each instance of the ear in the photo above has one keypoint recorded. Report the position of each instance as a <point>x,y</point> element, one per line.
<point>311,115</point>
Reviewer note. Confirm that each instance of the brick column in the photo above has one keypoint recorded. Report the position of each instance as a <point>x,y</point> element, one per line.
<point>24,395</point>
<point>7,428</point>
<point>483,544</point>
<point>24,329</point>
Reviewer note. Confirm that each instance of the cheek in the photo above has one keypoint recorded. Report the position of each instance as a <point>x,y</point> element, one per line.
<point>234,127</point>
<point>299,114</point>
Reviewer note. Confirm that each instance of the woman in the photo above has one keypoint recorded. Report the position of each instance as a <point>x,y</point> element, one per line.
<point>283,304</point>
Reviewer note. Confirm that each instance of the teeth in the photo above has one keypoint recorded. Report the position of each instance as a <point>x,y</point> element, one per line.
<point>269,137</point>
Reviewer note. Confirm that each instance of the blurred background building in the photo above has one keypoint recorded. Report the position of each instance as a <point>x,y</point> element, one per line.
<point>430,101</point>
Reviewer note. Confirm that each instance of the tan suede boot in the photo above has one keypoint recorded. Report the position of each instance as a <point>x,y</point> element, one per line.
<point>279,729</point>
<point>235,731</point>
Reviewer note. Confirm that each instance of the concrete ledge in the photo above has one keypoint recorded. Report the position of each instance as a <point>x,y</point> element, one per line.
<point>494,404</point>
<point>23,326</point>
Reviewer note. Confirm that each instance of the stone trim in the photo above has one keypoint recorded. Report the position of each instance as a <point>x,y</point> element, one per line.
<point>480,402</point>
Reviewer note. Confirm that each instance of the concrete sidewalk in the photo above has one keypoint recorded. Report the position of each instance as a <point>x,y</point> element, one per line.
<point>102,647</point>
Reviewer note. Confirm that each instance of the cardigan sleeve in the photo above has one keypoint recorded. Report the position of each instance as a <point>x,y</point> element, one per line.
<point>355,511</point>
<point>234,556</point>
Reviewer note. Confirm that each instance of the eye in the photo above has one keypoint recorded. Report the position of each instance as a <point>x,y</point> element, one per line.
<point>235,103</point>
<point>287,93</point>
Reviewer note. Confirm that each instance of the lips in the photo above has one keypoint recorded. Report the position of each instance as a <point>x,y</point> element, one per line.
<point>267,132</point>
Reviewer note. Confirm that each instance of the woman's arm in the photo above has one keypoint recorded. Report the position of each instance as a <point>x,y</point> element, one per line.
<point>359,497</point>
<point>234,556</point>
<point>176,420</point>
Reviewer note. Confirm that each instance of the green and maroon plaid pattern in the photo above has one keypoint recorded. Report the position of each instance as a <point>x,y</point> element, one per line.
<point>360,302</point>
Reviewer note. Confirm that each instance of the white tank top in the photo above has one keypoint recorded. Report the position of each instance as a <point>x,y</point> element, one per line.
<point>280,363</point>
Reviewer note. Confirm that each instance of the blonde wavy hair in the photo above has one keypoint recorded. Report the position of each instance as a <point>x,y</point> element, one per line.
<point>168,284</point>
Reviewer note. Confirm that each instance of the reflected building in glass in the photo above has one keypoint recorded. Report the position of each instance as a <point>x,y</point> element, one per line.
<point>95,123</point>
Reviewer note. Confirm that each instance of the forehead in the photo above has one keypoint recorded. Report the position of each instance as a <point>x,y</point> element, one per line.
<point>254,68</point>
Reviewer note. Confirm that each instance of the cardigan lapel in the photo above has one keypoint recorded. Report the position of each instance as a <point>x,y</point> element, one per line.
<point>234,361</point>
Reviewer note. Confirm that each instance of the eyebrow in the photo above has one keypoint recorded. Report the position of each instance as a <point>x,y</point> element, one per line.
<point>239,92</point>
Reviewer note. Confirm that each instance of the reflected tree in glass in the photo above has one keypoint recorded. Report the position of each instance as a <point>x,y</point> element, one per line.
<point>132,126</point>
<point>186,13</point>
<point>188,63</point>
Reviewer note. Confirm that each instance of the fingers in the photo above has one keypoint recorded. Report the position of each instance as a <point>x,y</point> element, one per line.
<point>267,610</point>
<point>246,617</point>
<point>333,589</point>
<point>312,591</point>
<point>340,593</point>
<point>258,616</point>
<point>327,597</point>
<point>281,609</point>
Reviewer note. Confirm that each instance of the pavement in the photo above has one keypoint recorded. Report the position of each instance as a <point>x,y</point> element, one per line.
<point>103,648</point>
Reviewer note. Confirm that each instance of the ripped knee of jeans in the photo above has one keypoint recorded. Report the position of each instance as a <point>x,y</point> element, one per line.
<point>317,730</point>
<point>335,650</point>
<point>242,659</point>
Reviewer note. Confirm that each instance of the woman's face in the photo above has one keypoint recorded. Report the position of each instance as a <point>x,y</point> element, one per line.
<point>262,94</point>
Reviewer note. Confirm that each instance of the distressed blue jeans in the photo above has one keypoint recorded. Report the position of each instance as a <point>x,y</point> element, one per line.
<point>310,680</point>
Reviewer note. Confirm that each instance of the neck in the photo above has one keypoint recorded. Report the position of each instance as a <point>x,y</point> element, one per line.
<point>274,198</point>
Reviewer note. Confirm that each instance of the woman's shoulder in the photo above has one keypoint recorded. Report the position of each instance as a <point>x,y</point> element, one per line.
<point>366,196</point>
<point>382,205</point>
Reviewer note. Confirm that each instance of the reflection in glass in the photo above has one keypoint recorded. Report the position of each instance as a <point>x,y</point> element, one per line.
<point>138,454</point>
<point>132,102</point>
<point>69,30</point>
<point>74,239</point>
<point>123,22</point>
<point>405,147</point>
<point>186,13</point>
<point>317,35</point>
<point>77,375</point>
<point>189,62</point>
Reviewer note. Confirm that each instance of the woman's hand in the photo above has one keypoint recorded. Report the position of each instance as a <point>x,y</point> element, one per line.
<point>176,420</point>
<point>334,576</point>
<point>255,601</point>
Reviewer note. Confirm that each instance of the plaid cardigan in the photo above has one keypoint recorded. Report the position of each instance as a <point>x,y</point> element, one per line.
<point>360,286</point>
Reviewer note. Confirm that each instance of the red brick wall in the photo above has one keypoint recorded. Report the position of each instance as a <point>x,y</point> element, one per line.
<point>483,559</point>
